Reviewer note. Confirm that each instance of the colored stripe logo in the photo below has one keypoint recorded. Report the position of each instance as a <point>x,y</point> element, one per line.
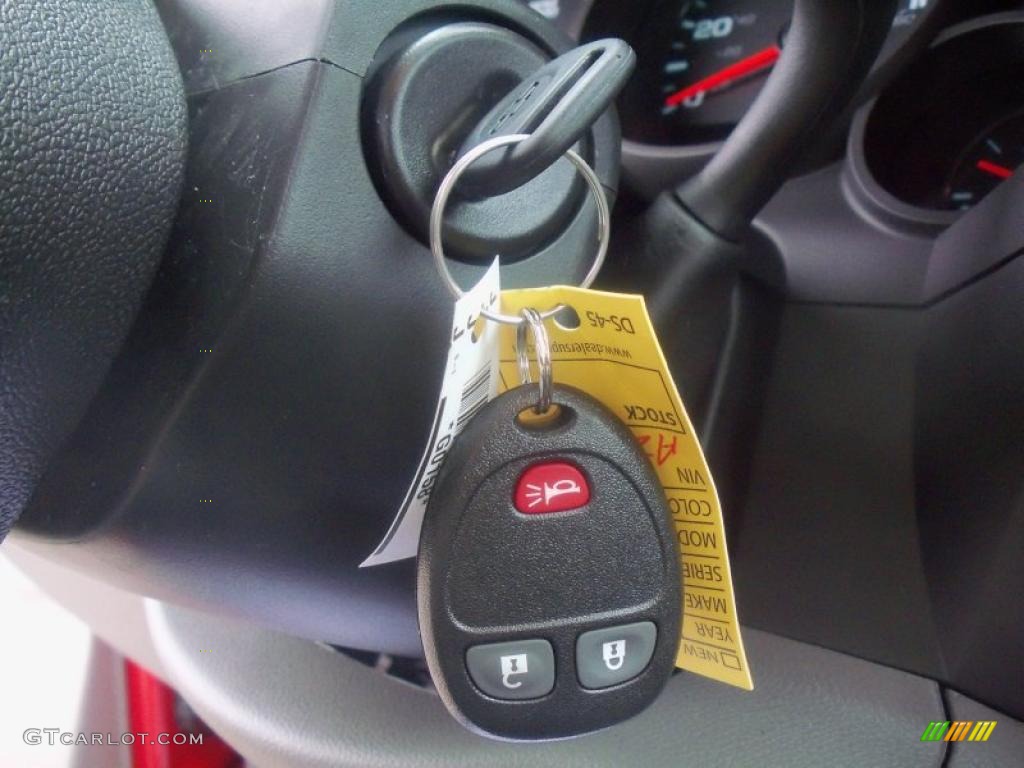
<point>959,730</point>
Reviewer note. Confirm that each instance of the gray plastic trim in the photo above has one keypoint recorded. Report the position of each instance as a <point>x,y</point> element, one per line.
<point>283,701</point>
<point>1004,747</point>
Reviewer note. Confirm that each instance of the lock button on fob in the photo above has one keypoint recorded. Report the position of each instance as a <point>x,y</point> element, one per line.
<point>606,657</point>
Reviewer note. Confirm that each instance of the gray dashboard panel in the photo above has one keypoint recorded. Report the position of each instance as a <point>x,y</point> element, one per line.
<point>283,701</point>
<point>828,543</point>
<point>1005,745</point>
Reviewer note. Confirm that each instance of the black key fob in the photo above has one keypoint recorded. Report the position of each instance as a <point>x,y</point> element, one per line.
<point>548,583</point>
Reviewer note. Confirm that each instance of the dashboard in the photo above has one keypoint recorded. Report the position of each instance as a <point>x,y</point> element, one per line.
<point>938,125</point>
<point>950,128</point>
<point>852,369</point>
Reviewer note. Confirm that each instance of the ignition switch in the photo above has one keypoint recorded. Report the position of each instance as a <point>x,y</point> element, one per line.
<point>439,86</point>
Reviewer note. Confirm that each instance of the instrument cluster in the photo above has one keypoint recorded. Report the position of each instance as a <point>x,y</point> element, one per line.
<point>950,128</point>
<point>942,121</point>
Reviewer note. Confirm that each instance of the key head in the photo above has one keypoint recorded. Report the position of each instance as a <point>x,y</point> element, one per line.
<point>548,575</point>
<point>557,106</point>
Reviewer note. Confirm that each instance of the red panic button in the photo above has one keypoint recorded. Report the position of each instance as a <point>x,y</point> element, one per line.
<point>551,487</point>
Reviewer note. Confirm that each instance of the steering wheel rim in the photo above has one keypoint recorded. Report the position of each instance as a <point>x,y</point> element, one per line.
<point>91,95</point>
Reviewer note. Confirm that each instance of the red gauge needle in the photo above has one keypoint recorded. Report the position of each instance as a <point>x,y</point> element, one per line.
<point>994,168</point>
<point>742,68</point>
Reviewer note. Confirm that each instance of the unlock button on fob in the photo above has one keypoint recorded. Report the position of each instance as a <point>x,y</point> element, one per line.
<point>613,655</point>
<point>522,669</point>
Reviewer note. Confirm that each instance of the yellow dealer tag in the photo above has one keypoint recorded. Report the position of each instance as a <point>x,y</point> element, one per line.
<point>614,356</point>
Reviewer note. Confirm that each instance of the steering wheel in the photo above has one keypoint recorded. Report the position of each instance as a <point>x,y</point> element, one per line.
<point>93,119</point>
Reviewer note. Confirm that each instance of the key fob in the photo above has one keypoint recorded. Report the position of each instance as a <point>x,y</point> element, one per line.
<point>548,576</point>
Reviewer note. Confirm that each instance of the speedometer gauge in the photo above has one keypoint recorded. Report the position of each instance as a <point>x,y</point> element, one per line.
<point>717,47</point>
<point>702,64</point>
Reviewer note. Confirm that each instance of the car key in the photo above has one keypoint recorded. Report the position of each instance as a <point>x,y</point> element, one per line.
<point>548,577</point>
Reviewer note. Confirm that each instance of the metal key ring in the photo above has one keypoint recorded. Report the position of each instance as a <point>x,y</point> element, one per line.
<point>448,184</point>
<point>534,321</point>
